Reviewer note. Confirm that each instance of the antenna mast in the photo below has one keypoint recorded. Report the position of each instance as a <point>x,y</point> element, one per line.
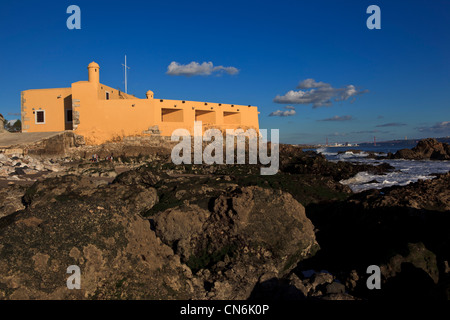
<point>125,72</point>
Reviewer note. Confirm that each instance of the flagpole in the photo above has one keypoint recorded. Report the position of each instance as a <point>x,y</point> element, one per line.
<point>125,72</point>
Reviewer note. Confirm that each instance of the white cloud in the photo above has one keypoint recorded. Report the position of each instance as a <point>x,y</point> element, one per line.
<point>290,111</point>
<point>319,94</point>
<point>197,69</point>
<point>280,113</point>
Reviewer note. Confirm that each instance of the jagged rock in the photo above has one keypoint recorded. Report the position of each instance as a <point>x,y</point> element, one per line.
<point>419,256</point>
<point>352,279</point>
<point>320,279</point>
<point>425,149</point>
<point>119,255</point>
<point>377,227</point>
<point>276,289</point>
<point>66,188</point>
<point>338,296</point>
<point>296,161</point>
<point>79,140</point>
<point>253,230</point>
<point>430,194</point>
<point>11,200</point>
<point>335,288</point>
<point>214,232</point>
<point>139,176</point>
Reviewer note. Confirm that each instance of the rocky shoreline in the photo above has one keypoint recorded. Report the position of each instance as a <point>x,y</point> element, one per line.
<point>140,227</point>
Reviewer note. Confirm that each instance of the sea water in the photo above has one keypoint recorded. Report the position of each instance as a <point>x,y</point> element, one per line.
<point>404,172</point>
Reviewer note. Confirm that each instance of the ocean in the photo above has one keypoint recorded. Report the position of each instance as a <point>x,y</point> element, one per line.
<point>405,172</point>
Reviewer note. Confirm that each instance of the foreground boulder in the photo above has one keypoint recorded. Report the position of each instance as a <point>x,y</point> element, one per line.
<point>248,233</point>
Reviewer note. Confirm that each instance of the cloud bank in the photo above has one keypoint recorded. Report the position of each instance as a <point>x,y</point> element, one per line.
<point>319,94</point>
<point>197,69</point>
<point>338,118</point>
<point>440,127</point>
<point>290,111</point>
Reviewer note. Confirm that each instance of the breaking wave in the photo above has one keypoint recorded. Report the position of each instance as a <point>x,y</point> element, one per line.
<point>405,172</point>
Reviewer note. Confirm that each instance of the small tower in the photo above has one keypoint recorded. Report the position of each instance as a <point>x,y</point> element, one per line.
<point>94,73</point>
<point>149,94</point>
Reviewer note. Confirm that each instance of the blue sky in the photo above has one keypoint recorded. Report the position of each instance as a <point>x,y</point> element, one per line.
<point>389,83</point>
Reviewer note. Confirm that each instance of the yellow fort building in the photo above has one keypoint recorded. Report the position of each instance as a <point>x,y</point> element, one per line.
<point>101,113</point>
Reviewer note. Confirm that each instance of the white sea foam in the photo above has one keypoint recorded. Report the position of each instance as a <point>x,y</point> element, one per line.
<point>350,155</point>
<point>325,152</point>
<point>405,172</point>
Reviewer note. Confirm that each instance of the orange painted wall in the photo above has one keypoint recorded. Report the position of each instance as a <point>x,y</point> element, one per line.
<point>100,120</point>
<point>103,120</point>
<point>53,101</point>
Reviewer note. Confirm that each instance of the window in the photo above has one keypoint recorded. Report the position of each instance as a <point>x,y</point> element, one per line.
<point>171,115</point>
<point>107,95</point>
<point>205,116</point>
<point>69,115</point>
<point>231,118</point>
<point>40,117</point>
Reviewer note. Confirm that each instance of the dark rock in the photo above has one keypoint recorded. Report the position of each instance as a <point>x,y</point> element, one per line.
<point>387,228</point>
<point>276,289</point>
<point>19,171</point>
<point>426,149</point>
<point>335,288</point>
<point>417,255</point>
<point>295,161</point>
<point>118,254</point>
<point>11,200</point>
<point>338,296</point>
<point>254,230</point>
<point>321,278</point>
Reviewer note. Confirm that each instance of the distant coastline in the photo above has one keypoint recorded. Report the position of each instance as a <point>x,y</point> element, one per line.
<point>401,143</point>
